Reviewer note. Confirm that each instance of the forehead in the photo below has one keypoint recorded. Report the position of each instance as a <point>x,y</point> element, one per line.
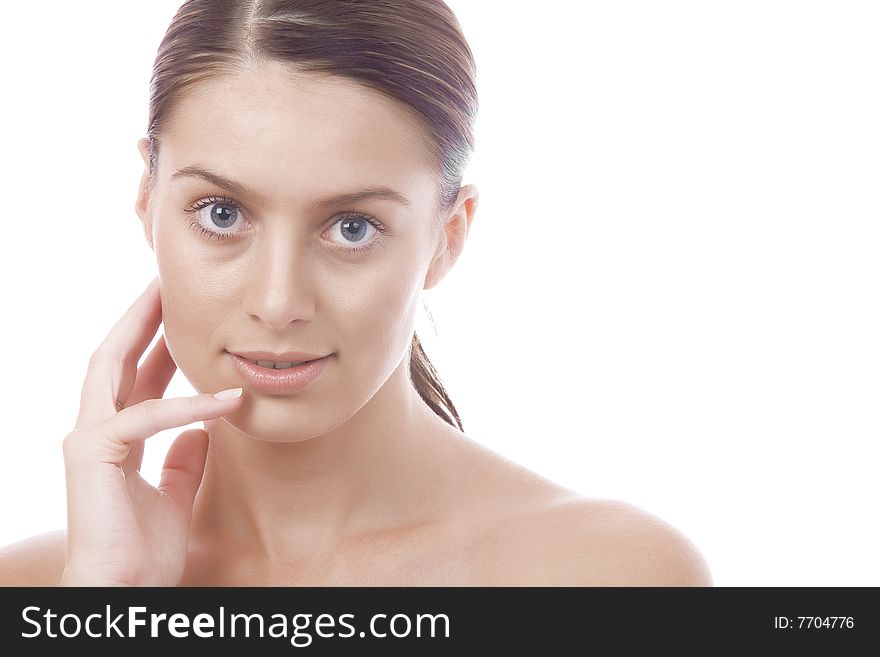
<point>273,125</point>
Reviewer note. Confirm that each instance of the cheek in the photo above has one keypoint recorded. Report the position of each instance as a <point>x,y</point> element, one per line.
<point>184,325</point>
<point>190,304</point>
<point>378,310</point>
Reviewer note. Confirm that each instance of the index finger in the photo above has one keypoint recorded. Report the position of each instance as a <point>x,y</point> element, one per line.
<point>109,441</point>
<point>113,366</point>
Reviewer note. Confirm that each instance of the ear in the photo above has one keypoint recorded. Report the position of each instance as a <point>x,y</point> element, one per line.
<point>142,204</point>
<point>453,235</point>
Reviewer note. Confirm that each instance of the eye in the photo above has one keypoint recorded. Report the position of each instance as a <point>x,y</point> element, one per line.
<point>224,212</point>
<point>353,228</point>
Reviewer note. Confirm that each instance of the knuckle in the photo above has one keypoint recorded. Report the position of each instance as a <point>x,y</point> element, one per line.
<point>98,354</point>
<point>69,442</point>
<point>151,411</point>
<point>193,408</point>
<point>95,358</point>
<point>105,353</point>
<point>73,445</point>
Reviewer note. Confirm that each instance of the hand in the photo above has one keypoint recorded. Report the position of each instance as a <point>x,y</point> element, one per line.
<point>121,531</point>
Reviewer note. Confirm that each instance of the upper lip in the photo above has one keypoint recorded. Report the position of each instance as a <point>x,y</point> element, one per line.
<point>284,357</point>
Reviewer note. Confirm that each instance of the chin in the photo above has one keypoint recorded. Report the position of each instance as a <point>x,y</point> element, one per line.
<point>278,424</point>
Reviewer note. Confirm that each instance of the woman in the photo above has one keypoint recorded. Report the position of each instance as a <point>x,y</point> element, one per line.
<point>301,186</point>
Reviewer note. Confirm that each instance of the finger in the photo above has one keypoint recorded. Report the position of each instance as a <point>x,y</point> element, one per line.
<point>183,468</point>
<point>153,377</point>
<point>113,366</point>
<point>110,440</point>
<point>135,459</point>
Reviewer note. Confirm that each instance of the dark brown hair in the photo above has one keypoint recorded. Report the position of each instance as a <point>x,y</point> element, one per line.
<point>412,51</point>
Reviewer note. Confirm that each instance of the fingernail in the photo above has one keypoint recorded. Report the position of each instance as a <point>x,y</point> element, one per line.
<point>232,393</point>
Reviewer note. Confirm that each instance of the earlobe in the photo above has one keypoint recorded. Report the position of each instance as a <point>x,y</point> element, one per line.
<point>453,236</point>
<point>141,206</point>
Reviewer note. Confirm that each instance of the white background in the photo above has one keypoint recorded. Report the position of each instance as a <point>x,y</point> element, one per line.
<point>669,294</point>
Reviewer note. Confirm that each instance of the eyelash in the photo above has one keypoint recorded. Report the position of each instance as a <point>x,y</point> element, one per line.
<point>225,200</point>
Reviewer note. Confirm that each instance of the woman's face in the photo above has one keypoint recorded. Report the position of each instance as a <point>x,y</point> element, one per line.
<point>280,267</point>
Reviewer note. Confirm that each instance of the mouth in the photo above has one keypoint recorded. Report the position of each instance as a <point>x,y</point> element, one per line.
<point>278,377</point>
<point>272,361</point>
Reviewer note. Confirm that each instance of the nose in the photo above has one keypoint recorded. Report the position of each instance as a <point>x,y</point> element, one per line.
<point>279,287</point>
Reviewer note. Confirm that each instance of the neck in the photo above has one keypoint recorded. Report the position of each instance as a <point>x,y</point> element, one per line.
<point>372,472</point>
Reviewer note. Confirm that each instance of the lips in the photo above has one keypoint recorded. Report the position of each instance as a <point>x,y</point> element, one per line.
<point>275,381</point>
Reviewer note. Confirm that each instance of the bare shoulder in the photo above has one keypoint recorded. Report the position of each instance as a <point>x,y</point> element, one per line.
<point>532,531</point>
<point>595,542</point>
<point>614,543</point>
<point>34,561</point>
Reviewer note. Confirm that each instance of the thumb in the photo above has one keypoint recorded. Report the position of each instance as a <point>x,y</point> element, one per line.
<point>184,466</point>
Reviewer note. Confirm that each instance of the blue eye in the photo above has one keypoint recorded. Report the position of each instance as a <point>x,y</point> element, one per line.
<point>219,219</point>
<point>224,212</point>
<point>352,227</point>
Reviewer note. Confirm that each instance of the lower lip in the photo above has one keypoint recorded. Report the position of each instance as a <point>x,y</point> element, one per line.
<point>279,382</point>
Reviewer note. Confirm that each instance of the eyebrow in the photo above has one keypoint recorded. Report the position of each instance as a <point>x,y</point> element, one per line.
<point>375,191</point>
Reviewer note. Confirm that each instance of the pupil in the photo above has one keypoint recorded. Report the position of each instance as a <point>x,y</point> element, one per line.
<point>221,216</point>
<point>358,227</point>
